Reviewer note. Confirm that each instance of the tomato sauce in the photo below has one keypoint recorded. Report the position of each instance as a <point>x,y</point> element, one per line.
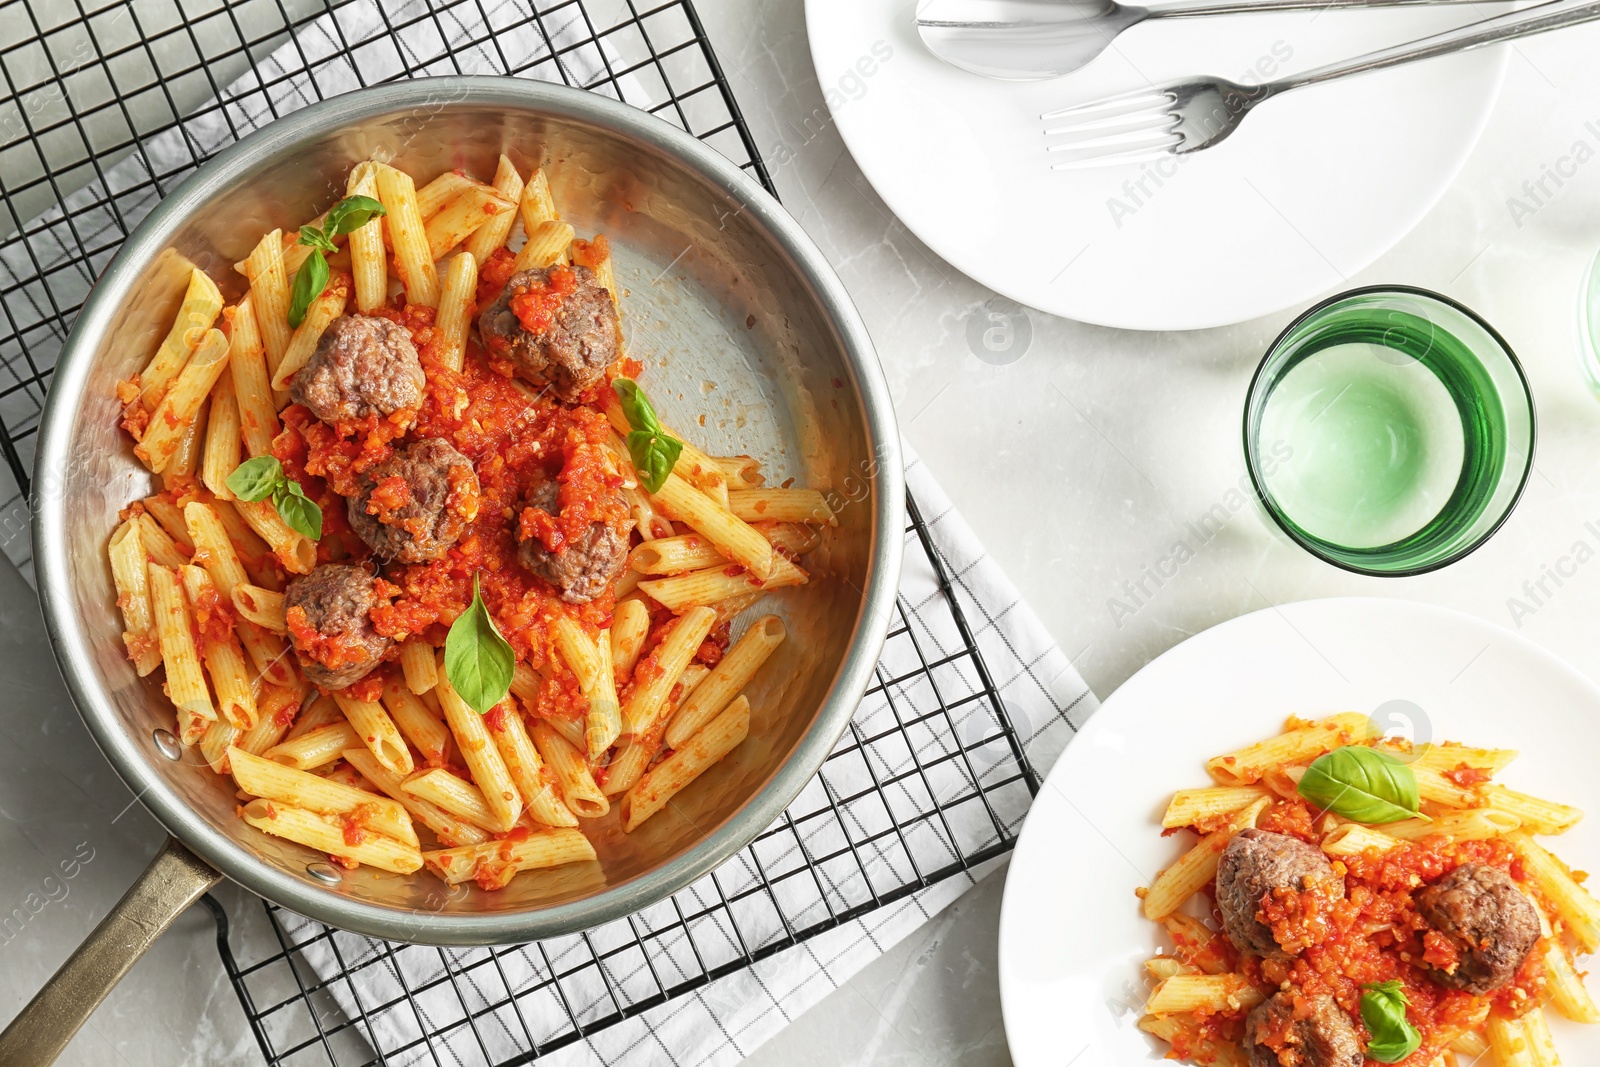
<point>1374,933</point>
<point>516,441</point>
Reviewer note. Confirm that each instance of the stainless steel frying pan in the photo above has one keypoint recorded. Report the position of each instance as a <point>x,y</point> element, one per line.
<point>735,315</point>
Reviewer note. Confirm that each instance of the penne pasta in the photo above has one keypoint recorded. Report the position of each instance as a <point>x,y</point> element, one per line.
<point>446,827</point>
<point>1300,745</point>
<point>492,235</point>
<point>416,721</point>
<point>377,731</point>
<point>538,790</point>
<point>1474,825</point>
<point>1564,985</point>
<point>273,781</point>
<point>1214,993</point>
<point>546,246</point>
<point>781,505</point>
<point>260,565</point>
<point>158,544</point>
<point>222,441</point>
<point>675,555</point>
<point>494,863</point>
<point>1197,945</point>
<point>604,722</point>
<point>1536,815</point>
<point>655,677</point>
<point>669,777</point>
<point>202,303</point>
<point>328,305</point>
<point>483,758</point>
<point>170,517</point>
<point>1353,839</point>
<point>182,468</point>
<point>276,707</point>
<point>264,607</point>
<point>455,310</point>
<point>1541,1045</point>
<point>186,685</point>
<point>1189,806</point>
<point>579,791</point>
<point>315,748</point>
<point>180,406</point>
<point>417,663</point>
<point>1178,883</point>
<point>630,625</point>
<point>325,834</point>
<point>407,237</point>
<point>131,577</point>
<point>537,205</point>
<point>461,216</point>
<point>731,674</point>
<point>1509,1042</point>
<point>740,472</point>
<point>224,659</point>
<point>296,551</point>
<point>1577,909</point>
<point>455,795</point>
<point>714,585</point>
<point>269,293</point>
<point>369,262</point>
<point>432,197</point>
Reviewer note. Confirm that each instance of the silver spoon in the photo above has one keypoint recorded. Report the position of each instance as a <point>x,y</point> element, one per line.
<point>1030,40</point>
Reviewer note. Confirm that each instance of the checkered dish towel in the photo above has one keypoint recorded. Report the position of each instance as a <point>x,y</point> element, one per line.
<point>722,1021</point>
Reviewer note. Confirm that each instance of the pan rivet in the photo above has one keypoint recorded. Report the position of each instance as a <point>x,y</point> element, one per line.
<point>325,873</point>
<point>167,745</point>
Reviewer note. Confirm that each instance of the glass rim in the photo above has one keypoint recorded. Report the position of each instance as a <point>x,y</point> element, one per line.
<point>1251,455</point>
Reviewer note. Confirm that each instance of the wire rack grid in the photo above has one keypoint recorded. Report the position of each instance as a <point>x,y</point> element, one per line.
<point>98,111</point>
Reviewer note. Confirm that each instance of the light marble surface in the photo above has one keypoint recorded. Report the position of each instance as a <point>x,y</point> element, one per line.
<point>1079,464</point>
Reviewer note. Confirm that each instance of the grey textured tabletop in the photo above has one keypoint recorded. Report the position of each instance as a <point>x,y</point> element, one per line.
<point>1133,432</point>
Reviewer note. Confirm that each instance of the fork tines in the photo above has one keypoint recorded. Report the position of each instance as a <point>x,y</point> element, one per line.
<point>1124,128</point>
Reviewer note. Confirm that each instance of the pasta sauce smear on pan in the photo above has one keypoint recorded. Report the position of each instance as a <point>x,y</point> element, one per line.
<point>426,574</point>
<point>1354,900</point>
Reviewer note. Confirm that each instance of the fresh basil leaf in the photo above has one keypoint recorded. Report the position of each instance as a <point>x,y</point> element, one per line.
<point>295,508</point>
<point>641,414</point>
<point>477,660</point>
<point>654,455</point>
<point>351,213</point>
<point>315,238</point>
<point>1363,785</point>
<point>1383,1009</point>
<point>256,479</point>
<point>309,281</point>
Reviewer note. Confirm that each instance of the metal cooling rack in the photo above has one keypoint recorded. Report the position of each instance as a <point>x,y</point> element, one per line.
<point>930,780</point>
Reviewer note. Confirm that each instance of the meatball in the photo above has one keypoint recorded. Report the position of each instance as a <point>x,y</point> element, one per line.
<point>1254,864</point>
<point>574,338</point>
<point>582,569</point>
<point>413,506</point>
<point>1273,1037</point>
<point>1487,920</point>
<point>363,366</point>
<point>329,625</point>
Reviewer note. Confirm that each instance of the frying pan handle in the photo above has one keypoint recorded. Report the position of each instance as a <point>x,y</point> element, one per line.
<point>175,879</point>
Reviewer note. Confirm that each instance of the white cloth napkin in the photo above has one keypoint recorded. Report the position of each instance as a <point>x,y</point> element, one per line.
<point>724,1020</point>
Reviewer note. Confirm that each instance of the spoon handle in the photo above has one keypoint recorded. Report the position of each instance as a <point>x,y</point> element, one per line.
<point>1509,26</point>
<point>1196,8</point>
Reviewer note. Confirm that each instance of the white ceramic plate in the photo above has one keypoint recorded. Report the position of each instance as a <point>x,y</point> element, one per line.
<point>1072,939</point>
<point>1312,188</point>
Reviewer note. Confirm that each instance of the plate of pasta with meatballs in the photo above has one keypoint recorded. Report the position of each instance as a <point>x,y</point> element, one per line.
<point>1337,833</point>
<point>428,581</point>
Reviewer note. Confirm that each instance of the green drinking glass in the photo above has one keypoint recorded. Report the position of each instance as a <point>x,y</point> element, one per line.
<point>1389,431</point>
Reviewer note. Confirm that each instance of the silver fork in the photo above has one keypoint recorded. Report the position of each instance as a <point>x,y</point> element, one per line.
<point>1191,115</point>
